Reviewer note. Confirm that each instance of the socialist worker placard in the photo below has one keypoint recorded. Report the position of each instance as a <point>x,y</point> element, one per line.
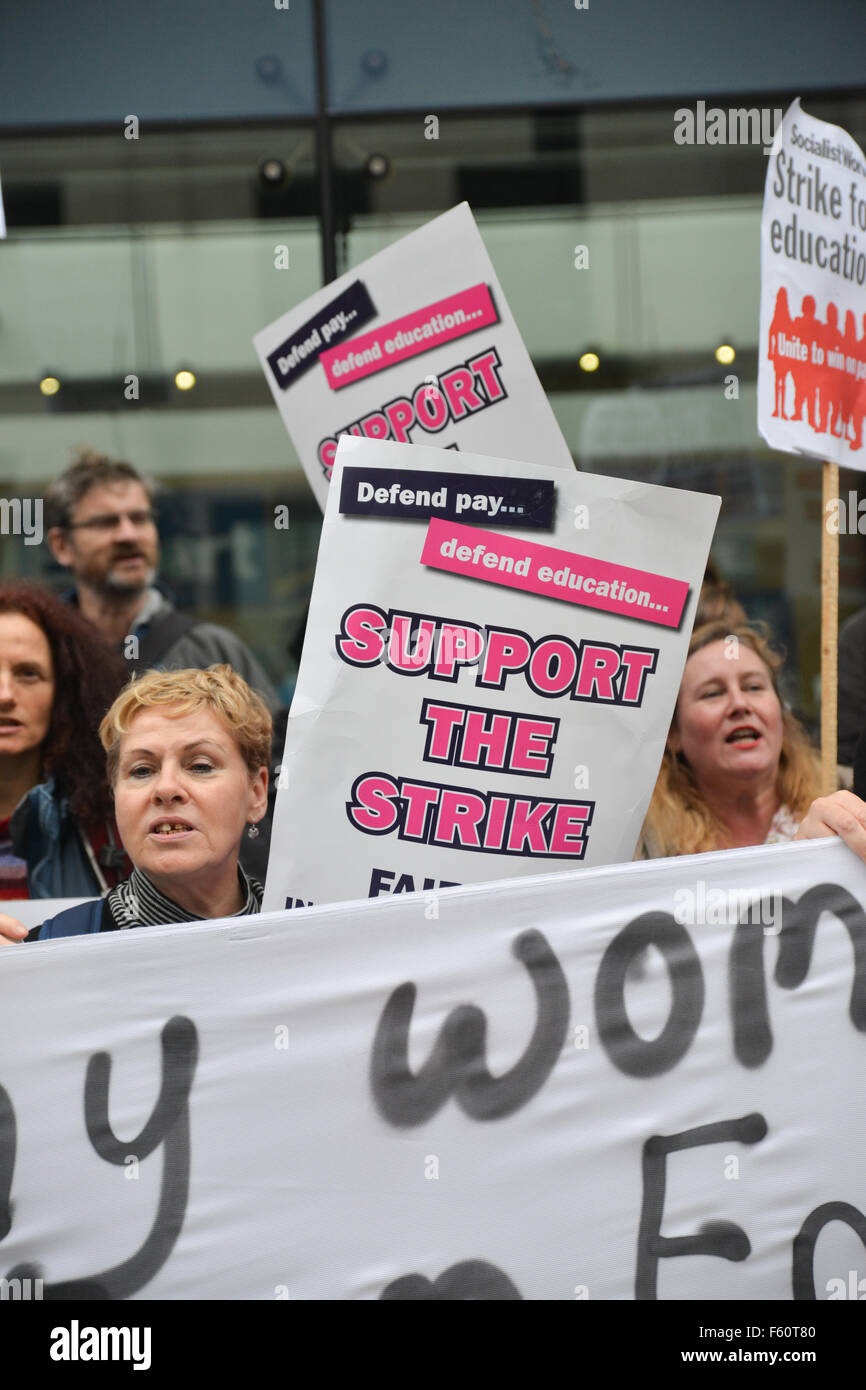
<point>812,349</point>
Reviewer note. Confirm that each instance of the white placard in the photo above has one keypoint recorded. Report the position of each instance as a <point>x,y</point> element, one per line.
<point>519,1099</point>
<point>812,348</point>
<point>455,722</point>
<point>416,344</point>
<point>34,911</point>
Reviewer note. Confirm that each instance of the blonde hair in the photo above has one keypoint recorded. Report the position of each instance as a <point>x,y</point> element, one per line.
<point>679,819</point>
<point>217,688</point>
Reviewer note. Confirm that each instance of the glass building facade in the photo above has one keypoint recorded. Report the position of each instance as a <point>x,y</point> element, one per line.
<point>155,162</point>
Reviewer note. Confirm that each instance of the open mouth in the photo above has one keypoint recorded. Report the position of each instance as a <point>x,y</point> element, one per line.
<point>10,723</point>
<point>745,736</point>
<point>165,829</point>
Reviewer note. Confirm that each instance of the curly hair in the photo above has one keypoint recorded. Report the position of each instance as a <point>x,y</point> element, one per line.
<point>217,688</point>
<point>87,676</point>
<point>679,819</point>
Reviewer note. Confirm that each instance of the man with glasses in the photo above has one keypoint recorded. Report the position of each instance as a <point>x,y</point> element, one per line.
<point>102,526</point>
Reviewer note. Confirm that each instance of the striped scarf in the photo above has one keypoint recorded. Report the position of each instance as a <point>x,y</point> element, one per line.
<point>135,902</point>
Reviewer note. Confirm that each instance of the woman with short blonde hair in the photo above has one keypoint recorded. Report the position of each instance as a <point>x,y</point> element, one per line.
<point>218,688</point>
<point>187,759</point>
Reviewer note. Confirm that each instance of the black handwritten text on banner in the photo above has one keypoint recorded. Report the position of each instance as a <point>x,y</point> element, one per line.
<point>675,1089</point>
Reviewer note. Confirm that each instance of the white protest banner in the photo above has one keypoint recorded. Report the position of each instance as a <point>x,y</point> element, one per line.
<point>32,912</point>
<point>475,703</point>
<point>812,347</point>
<point>641,1082</point>
<point>415,344</point>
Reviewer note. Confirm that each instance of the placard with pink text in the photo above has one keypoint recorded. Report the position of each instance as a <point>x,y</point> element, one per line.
<point>417,345</point>
<point>491,663</point>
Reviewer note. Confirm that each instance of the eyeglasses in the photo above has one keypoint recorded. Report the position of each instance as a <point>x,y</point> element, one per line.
<point>107,521</point>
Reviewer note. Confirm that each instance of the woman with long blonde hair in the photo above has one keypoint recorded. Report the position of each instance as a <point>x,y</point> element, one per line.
<point>738,768</point>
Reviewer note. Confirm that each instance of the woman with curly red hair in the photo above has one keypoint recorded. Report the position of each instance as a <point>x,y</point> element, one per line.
<point>57,679</point>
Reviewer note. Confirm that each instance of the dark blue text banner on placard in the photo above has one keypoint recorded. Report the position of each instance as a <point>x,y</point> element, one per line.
<point>407,495</point>
<point>338,320</point>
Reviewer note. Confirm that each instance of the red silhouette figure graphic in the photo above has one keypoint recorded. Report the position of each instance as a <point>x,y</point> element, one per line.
<point>803,370</point>
<point>829,369</point>
<point>858,399</point>
<point>828,401</point>
<point>781,366</point>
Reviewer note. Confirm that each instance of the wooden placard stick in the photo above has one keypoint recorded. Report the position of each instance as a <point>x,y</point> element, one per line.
<point>829,630</point>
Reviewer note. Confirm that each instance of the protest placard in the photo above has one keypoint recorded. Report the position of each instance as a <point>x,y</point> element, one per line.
<point>416,344</point>
<point>491,662</point>
<point>640,1082</point>
<point>812,348</point>
<point>32,912</point>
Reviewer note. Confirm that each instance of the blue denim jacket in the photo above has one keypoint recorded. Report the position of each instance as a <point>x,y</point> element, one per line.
<point>46,835</point>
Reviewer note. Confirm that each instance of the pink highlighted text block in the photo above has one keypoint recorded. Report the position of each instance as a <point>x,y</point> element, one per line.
<point>420,331</point>
<point>558,574</point>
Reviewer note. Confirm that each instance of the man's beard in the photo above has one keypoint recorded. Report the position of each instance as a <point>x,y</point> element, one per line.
<point>117,584</point>
<point>111,585</point>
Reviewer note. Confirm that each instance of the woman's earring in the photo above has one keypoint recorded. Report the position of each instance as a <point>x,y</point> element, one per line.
<point>253,831</point>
